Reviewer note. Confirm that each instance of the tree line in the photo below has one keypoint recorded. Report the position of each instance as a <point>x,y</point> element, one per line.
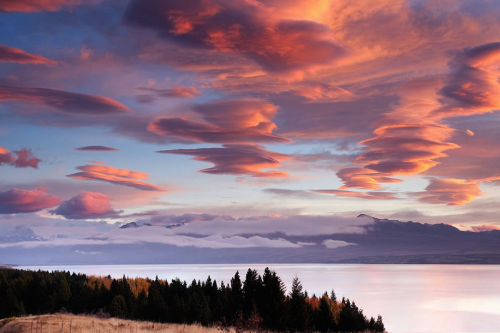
<point>258,302</point>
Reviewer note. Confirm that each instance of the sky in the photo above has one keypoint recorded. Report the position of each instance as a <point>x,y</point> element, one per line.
<point>115,111</point>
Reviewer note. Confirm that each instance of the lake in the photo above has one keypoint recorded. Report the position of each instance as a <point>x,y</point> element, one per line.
<point>410,298</point>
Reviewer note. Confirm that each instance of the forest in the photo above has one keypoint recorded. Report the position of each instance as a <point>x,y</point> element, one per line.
<point>259,303</point>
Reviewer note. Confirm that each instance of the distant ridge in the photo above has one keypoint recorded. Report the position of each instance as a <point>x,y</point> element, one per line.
<point>385,241</point>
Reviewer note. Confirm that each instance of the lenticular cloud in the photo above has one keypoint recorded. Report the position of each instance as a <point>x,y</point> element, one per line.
<point>115,176</point>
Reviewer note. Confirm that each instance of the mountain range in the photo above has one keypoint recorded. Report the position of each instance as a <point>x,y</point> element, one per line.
<point>382,242</point>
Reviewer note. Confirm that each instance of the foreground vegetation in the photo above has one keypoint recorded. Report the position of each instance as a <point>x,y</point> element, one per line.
<point>85,324</point>
<point>257,303</point>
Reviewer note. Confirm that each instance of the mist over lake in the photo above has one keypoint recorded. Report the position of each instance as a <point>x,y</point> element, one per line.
<point>410,298</point>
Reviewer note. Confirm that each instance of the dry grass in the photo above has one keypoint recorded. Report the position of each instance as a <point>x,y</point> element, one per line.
<point>65,323</point>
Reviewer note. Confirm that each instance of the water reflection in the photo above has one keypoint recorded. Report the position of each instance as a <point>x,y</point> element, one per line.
<point>411,298</point>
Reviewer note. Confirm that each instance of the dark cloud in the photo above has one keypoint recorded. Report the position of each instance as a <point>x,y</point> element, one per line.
<point>473,85</point>
<point>96,148</point>
<point>67,102</point>
<point>299,194</point>
<point>254,30</point>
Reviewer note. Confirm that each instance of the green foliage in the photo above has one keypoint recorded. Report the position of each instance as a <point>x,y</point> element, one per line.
<point>259,303</point>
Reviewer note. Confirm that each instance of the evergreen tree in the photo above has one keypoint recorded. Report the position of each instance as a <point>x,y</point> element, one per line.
<point>236,297</point>
<point>157,308</point>
<point>325,321</point>
<point>258,303</point>
<point>118,307</point>
<point>250,289</point>
<point>299,312</point>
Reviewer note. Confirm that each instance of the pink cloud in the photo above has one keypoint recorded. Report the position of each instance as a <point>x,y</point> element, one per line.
<point>87,205</point>
<point>243,159</point>
<point>24,159</point>
<point>66,102</point>
<point>11,54</point>
<point>225,121</point>
<point>115,176</point>
<point>26,201</point>
<point>322,92</point>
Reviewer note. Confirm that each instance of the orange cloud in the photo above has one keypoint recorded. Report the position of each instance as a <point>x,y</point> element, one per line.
<point>408,140</point>
<point>473,86</point>
<point>361,195</point>
<point>115,176</point>
<point>267,33</point>
<point>364,178</point>
<point>232,159</point>
<point>24,159</point>
<point>406,149</point>
<point>87,205</point>
<point>67,102</point>
<point>26,201</point>
<point>6,157</point>
<point>484,227</point>
<point>11,54</point>
<point>453,192</point>
<point>225,121</point>
<point>322,92</point>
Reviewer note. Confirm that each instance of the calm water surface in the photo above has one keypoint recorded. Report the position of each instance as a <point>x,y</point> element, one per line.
<point>410,298</point>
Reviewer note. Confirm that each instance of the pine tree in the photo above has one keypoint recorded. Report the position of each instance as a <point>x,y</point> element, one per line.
<point>325,321</point>
<point>118,307</point>
<point>299,313</point>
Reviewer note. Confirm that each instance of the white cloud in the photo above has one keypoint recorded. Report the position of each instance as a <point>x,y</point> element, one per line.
<point>333,244</point>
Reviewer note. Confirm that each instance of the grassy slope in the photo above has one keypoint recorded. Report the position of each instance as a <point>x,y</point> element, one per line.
<point>81,324</point>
